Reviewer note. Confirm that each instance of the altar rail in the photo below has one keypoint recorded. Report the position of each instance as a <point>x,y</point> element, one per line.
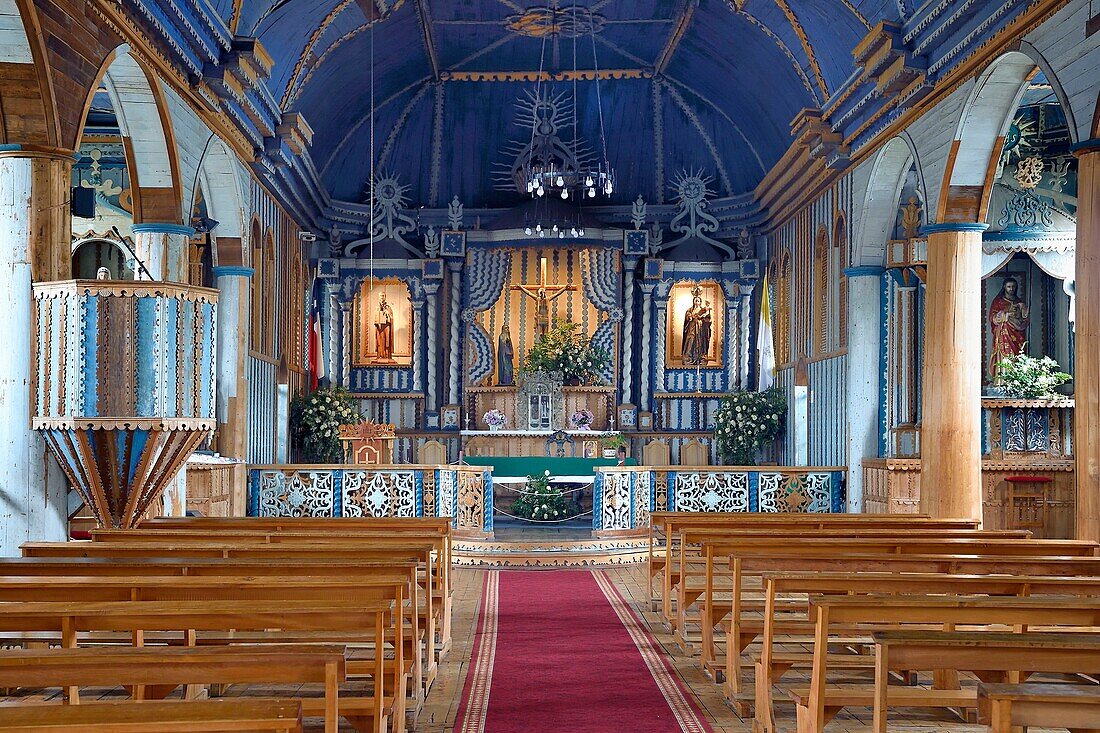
<point>623,496</point>
<point>464,493</point>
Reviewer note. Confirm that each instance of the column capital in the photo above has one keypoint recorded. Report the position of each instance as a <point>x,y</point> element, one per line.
<point>863,271</point>
<point>16,150</point>
<point>163,228</point>
<point>954,226</point>
<point>1085,147</point>
<point>233,271</point>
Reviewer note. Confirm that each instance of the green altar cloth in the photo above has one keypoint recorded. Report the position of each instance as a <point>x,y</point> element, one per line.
<point>534,465</point>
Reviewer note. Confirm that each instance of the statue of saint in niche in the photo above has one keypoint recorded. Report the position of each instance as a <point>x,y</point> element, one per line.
<point>383,331</point>
<point>505,357</point>
<point>1008,319</point>
<point>695,346</point>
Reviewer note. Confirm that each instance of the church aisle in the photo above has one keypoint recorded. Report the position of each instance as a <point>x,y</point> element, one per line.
<point>562,651</point>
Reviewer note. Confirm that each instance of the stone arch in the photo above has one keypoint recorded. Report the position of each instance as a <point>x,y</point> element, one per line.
<point>28,114</point>
<point>147,133</point>
<point>985,119</point>
<point>880,203</point>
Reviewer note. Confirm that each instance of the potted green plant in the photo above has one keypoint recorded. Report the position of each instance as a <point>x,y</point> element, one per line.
<point>540,501</point>
<point>747,421</point>
<point>1024,377</point>
<point>565,349</point>
<point>315,421</point>
<point>613,444</point>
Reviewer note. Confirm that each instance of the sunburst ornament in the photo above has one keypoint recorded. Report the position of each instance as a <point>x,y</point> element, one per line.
<point>692,187</point>
<point>1021,140</point>
<point>389,192</point>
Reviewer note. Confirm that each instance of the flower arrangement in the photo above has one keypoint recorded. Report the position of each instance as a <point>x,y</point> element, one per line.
<point>1025,377</point>
<point>565,349</point>
<point>495,419</point>
<point>540,501</point>
<point>581,420</point>
<point>747,421</point>
<point>315,421</point>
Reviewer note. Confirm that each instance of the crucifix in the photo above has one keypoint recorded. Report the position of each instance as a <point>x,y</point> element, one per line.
<point>543,292</point>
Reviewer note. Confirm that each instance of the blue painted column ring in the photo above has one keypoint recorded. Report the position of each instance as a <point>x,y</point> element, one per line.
<point>233,271</point>
<point>953,226</point>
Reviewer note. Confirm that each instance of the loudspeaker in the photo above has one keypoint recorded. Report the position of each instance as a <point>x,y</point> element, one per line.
<point>83,202</point>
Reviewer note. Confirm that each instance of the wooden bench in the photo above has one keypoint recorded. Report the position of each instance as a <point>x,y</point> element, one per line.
<point>718,546</point>
<point>404,551</point>
<point>816,707</point>
<point>1004,706</point>
<point>770,666</point>
<point>366,713</point>
<point>275,589</point>
<point>205,716</point>
<point>981,653</point>
<point>670,524</point>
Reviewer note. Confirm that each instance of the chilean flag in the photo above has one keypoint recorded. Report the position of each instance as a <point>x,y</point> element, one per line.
<point>316,346</point>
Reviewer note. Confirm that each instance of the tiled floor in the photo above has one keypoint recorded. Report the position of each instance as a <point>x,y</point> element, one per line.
<point>441,708</point>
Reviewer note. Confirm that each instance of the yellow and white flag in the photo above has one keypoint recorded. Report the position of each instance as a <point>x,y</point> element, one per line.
<point>765,345</point>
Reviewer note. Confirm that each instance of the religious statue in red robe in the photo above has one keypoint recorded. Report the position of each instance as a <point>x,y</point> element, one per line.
<point>1008,319</point>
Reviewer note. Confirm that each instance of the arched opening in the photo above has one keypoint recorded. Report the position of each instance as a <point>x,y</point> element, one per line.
<point>896,166</point>
<point>820,285</point>
<point>838,262</point>
<point>257,316</point>
<point>93,256</point>
<point>27,110</point>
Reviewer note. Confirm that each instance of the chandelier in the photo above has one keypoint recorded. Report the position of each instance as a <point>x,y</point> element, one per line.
<point>559,170</point>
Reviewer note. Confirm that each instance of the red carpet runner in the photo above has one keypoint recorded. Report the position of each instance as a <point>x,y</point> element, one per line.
<point>561,651</point>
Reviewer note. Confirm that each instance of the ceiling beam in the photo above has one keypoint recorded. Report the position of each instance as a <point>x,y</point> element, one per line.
<point>425,19</point>
<point>568,75</point>
<point>687,9</point>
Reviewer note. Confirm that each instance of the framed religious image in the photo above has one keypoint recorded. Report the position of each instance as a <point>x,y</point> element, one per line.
<point>1007,318</point>
<point>382,324</point>
<point>590,448</point>
<point>695,326</point>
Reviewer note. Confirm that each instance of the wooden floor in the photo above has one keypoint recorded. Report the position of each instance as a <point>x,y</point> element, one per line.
<point>442,705</point>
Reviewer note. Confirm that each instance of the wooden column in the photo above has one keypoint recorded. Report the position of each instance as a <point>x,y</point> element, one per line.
<point>162,250</point>
<point>35,231</point>
<point>951,471</point>
<point>1086,368</point>
<point>234,327</point>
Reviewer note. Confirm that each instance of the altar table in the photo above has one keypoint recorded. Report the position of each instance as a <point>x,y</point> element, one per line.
<point>578,469</point>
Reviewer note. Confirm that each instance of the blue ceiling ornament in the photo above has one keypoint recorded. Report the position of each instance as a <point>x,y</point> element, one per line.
<point>389,219</point>
<point>557,22</point>
<point>693,221</point>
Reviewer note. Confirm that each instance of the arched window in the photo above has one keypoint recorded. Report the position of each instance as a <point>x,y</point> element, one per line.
<point>256,245</point>
<point>783,308</point>
<point>840,263</point>
<point>820,311</point>
<point>270,295</point>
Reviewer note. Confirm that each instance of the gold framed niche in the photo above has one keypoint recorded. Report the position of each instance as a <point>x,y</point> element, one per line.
<point>367,311</point>
<point>681,302</point>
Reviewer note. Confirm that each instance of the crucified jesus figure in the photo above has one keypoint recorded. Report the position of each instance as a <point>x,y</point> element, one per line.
<point>543,293</point>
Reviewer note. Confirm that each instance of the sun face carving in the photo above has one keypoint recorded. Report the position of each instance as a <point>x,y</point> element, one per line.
<point>569,22</point>
<point>691,187</point>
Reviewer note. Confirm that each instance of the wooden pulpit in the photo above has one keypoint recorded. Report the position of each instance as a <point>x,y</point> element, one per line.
<point>368,443</point>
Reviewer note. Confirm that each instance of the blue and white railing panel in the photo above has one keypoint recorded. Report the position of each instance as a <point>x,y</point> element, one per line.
<point>307,490</point>
<point>624,496</point>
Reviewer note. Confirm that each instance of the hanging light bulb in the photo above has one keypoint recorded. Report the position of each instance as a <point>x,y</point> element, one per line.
<point>565,193</point>
<point>541,191</point>
<point>588,181</point>
<point>527,231</point>
<point>542,233</point>
<point>538,228</point>
<point>591,193</point>
<point>561,235</point>
<point>581,232</point>
<point>555,227</point>
<point>560,181</point>
<point>573,232</point>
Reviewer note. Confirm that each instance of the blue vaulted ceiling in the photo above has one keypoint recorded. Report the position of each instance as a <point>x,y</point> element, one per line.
<point>736,74</point>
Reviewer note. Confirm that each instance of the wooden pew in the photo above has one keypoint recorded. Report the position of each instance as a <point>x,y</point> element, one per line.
<point>206,716</point>
<point>669,524</point>
<point>366,713</point>
<point>771,666</point>
<point>980,652</point>
<point>154,672</point>
<point>377,531</point>
<point>386,549</point>
<point>723,546</point>
<point>816,706</point>
<point>1004,706</point>
<point>92,588</point>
